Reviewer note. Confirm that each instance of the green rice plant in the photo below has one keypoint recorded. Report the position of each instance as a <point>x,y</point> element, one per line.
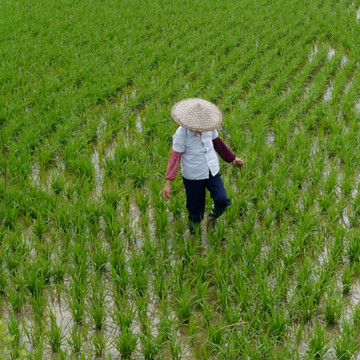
<point>216,335</point>
<point>307,306</point>
<point>140,276</point>
<point>124,314</point>
<point>356,315</point>
<point>150,346</point>
<point>159,281</point>
<point>142,199</point>
<point>97,303</point>
<point>77,292</point>
<point>175,349</point>
<point>75,340</point>
<point>347,183</point>
<point>119,273</point>
<point>4,342</point>
<point>142,304</point>
<point>54,335</point>
<point>188,248</point>
<point>36,335</point>
<point>338,244</point>
<point>98,340</point>
<point>333,306</point>
<point>277,322</point>
<point>346,343</point>
<point>346,278</point>
<point>99,257</point>
<point>59,270</point>
<point>14,330</point>
<point>126,343</point>
<point>165,324</point>
<point>40,227</point>
<point>161,220</point>
<point>318,345</point>
<point>356,205</point>
<point>16,297</point>
<point>184,303</point>
<point>38,304</point>
<point>353,249</point>
<point>202,352</point>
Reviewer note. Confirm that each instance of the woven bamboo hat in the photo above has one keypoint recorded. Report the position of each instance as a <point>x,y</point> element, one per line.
<point>196,114</point>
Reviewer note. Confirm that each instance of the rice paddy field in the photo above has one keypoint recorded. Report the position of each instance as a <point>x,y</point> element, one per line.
<point>95,264</point>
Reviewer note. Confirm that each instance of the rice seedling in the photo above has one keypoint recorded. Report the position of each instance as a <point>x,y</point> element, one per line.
<point>4,342</point>
<point>97,301</point>
<point>333,307</point>
<point>126,343</point>
<point>346,278</point>
<point>150,346</point>
<point>318,345</point>
<point>98,340</point>
<point>54,335</point>
<point>184,303</point>
<point>289,98</point>
<point>75,340</point>
<point>345,343</point>
<point>140,278</point>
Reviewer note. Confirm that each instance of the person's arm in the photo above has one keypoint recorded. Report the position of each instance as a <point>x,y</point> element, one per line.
<point>225,153</point>
<point>171,173</point>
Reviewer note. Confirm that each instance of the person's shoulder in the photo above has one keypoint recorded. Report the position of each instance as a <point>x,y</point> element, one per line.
<point>180,131</point>
<point>214,134</point>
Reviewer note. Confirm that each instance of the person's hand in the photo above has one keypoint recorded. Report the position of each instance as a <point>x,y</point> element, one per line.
<point>166,190</point>
<point>237,162</point>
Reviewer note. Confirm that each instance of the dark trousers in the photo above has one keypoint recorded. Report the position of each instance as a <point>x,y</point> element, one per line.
<point>195,196</point>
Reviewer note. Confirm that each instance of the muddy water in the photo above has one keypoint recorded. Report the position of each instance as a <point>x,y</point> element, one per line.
<point>328,92</point>
<point>35,174</point>
<point>331,53</point>
<point>313,52</point>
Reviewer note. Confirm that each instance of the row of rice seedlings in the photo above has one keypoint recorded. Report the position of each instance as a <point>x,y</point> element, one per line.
<point>160,223</point>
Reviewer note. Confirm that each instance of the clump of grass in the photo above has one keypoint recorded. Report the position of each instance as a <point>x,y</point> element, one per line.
<point>16,297</point>
<point>98,340</point>
<point>126,343</point>
<point>184,303</point>
<point>99,257</point>
<point>333,307</point>
<point>318,345</point>
<point>346,343</point>
<point>54,335</point>
<point>150,346</point>
<point>346,278</point>
<point>140,277</point>
<point>77,292</point>
<point>5,341</point>
<point>353,250</point>
<point>75,340</point>
<point>97,303</point>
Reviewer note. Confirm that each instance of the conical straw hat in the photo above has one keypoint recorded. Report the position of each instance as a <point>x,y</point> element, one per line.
<point>196,114</point>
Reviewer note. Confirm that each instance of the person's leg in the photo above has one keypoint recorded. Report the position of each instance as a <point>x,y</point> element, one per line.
<point>218,194</point>
<point>195,203</point>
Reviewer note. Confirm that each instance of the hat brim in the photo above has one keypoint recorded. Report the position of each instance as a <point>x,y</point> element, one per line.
<point>196,114</point>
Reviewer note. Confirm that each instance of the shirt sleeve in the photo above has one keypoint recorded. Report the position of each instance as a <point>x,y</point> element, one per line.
<point>215,134</point>
<point>173,165</point>
<point>225,153</point>
<point>179,140</point>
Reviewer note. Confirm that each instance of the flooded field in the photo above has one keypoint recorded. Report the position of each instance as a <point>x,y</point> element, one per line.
<point>94,264</point>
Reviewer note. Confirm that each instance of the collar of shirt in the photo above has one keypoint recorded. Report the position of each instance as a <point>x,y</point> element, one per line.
<point>191,133</point>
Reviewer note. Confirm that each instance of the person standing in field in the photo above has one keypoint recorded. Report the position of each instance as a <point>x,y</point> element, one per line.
<point>195,144</point>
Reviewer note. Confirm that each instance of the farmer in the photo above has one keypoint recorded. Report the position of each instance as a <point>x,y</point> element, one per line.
<point>194,145</point>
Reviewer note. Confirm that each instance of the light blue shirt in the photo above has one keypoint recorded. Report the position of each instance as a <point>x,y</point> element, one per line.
<point>198,153</point>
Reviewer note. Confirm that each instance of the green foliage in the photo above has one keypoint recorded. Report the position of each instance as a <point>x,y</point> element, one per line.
<point>86,117</point>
